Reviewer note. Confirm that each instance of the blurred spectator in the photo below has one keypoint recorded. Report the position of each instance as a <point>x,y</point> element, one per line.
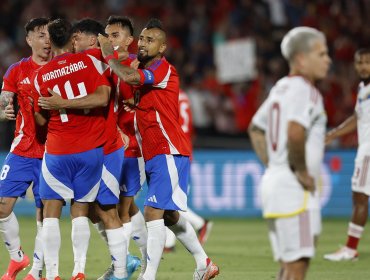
<point>195,26</point>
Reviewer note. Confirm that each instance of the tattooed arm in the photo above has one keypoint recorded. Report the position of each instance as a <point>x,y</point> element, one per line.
<point>257,136</point>
<point>126,73</point>
<point>6,106</point>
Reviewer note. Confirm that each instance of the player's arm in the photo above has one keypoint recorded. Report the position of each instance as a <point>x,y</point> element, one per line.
<point>6,106</point>
<point>129,75</point>
<point>257,136</point>
<point>348,126</point>
<point>297,154</point>
<point>99,98</point>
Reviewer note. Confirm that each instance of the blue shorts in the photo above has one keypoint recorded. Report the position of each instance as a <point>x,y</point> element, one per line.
<point>168,178</point>
<point>133,176</point>
<point>17,174</point>
<point>72,176</point>
<point>111,178</point>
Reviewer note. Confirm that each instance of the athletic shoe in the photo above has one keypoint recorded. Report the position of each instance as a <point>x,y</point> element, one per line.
<point>343,254</point>
<point>210,272</point>
<point>132,265</point>
<point>204,231</point>
<point>15,267</point>
<point>79,276</point>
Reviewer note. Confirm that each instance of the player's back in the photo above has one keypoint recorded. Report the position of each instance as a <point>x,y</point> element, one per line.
<point>114,140</point>
<point>72,131</point>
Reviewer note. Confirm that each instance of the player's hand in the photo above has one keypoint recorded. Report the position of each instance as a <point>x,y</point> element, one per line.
<point>329,137</point>
<point>306,180</point>
<point>54,102</point>
<point>9,111</point>
<point>105,45</point>
<point>135,64</point>
<point>125,139</point>
<point>129,105</point>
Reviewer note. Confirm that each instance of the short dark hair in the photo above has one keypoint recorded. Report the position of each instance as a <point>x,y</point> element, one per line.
<point>363,51</point>
<point>88,25</point>
<point>35,22</point>
<point>154,23</point>
<point>123,21</point>
<point>60,31</point>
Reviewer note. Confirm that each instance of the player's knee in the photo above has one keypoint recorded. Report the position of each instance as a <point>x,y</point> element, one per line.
<point>6,207</point>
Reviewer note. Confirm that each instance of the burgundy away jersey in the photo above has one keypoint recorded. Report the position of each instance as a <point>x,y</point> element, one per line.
<point>126,119</point>
<point>158,112</point>
<point>29,138</point>
<point>72,131</point>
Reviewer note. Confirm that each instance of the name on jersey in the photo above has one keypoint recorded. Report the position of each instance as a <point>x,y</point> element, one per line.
<point>66,70</point>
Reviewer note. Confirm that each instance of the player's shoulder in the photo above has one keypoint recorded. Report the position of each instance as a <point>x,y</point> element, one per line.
<point>17,66</point>
<point>159,65</point>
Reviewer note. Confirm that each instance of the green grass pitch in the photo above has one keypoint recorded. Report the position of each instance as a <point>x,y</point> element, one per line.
<point>239,246</point>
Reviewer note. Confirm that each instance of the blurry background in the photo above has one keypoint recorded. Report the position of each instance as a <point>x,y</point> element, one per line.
<point>226,51</point>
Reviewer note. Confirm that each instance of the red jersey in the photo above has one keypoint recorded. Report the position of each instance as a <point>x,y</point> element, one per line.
<point>114,139</point>
<point>126,120</point>
<point>29,138</point>
<point>186,119</point>
<point>158,112</point>
<point>72,131</point>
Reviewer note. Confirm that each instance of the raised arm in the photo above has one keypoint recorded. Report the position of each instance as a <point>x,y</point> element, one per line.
<point>297,154</point>
<point>99,98</point>
<point>129,75</point>
<point>257,136</point>
<point>6,106</point>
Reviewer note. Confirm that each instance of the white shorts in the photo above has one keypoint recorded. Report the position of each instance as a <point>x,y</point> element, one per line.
<point>361,176</point>
<point>292,238</point>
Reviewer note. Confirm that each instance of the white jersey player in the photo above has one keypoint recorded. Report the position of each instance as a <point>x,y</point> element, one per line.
<point>288,133</point>
<point>360,178</point>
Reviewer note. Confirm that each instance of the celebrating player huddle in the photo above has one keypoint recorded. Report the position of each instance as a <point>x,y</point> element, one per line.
<point>81,107</point>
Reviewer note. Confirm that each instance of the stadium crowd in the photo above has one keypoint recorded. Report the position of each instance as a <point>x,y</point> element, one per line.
<point>194,27</point>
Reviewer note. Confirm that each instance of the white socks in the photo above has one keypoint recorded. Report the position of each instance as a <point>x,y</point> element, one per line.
<point>127,231</point>
<point>355,230</point>
<point>139,233</point>
<point>186,235</point>
<point>9,231</point>
<point>170,238</point>
<point>38,255</point>
<point>156,240</point>
<point>117,248</point>
<point>80,243</point>
<point>51,245</point>
<point>194,219</point>
<point>101,230</point>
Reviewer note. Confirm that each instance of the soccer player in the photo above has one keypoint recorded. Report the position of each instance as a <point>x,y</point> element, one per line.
<point>73,161</point>
<point>165,148</point>
<point>23,164</point>
<point>120,34</point>
<point>288,133</point>
<point>201,225</point>
<point>110,226</point>
<point>85,40</point>
<point>360,181</point>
